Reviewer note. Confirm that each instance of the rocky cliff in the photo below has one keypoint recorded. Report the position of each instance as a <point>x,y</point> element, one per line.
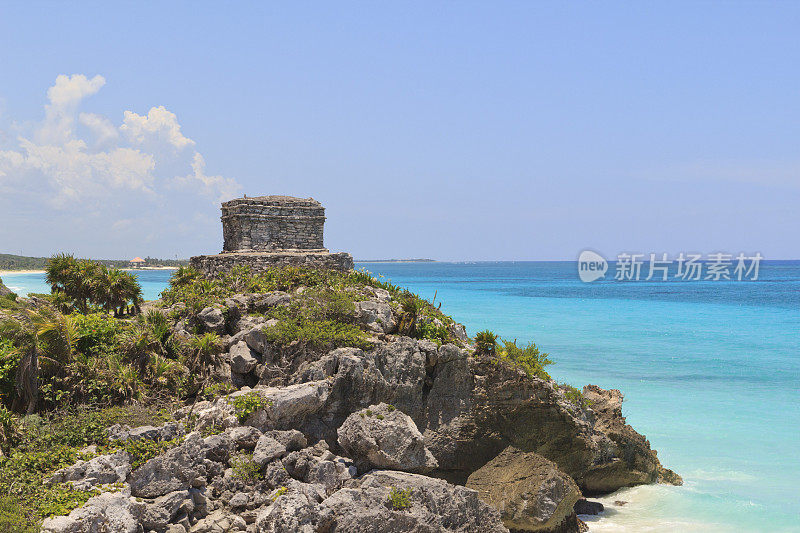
<point>393,433</point>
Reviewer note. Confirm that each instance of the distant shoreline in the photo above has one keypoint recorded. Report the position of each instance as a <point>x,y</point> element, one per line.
<point>7,272</point>
<point>396,261</point>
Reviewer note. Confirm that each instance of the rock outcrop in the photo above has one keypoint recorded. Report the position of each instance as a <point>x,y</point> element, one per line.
<point>338,440</point>
<point>381,436</point>
<point>531,493</point>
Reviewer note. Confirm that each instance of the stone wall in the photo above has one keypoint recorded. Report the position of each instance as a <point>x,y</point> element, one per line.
<point>271,223</point>
<point>213,265</point>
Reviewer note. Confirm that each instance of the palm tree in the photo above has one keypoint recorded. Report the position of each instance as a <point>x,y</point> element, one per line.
<point>43,337</point>
<point>131,291</point>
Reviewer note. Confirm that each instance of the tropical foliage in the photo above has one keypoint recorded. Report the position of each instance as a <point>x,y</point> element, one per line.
<point>81,283</point>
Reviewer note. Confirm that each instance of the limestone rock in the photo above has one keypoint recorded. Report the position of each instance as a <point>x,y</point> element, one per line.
<point>178,469</point>
<point>267,450</point>
<point>528,490</point>
<point>162,510</point>
<point>244,437</point>
<point>242,358</point>
<point>110,511</point>
<point>633,462</point>
<point>377,316</point>
<point>212,320</point>
<point>100,470</point>
<point>435,506</point>
<point>384,437</point>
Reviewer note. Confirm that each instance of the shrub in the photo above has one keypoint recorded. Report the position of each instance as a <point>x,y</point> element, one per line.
<point>280,492</point>
<point>317,334</point>
<point>12,517</point>
<point>530,358</point>
<point>574,396</point>
<point>248,404</point>
<point>428,329</point>
<point>246,468</point>
<point>142,450</point>
<point>400,499</point>
<point>96,333</point>
<point>485,342</point>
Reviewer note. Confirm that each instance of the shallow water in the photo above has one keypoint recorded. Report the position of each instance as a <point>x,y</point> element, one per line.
<point>710,373</point>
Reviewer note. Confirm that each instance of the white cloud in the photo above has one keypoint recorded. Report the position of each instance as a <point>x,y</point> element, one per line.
<point>159,123</point>
<point>218,188</point>
<point>103,129</point>
<point>64,98</point>
<point>53,164</point>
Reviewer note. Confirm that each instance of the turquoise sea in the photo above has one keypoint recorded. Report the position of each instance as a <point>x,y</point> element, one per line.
<point>710,371</point>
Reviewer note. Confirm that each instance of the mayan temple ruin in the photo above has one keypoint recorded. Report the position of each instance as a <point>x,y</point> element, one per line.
<point>266,231</point>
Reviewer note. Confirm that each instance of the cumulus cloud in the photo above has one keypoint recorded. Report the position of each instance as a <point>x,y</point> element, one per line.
<point>64,97</point>
<point>103,129</point>
<point>217,188</point>
<point>159,124</point>
<point>124,172</point>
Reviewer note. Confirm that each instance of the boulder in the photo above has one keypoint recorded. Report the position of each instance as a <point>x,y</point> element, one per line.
<point>377,316</point>
<point>242,358</point>
<point>100,470</point>
<point>109,511</point>
<point>244,437</point>
<point>584,506</point>
<point>267,450</point>
<point>381,436</point>
<point>159,513</point>
<point>318,466</point>
<point>363,506</point>
<point>530,492</point>
<point>212,320</point>
<point>178,469</point>
<point>292,439</point>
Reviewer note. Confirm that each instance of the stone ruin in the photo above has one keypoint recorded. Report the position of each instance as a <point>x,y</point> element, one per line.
<point>268,231</point>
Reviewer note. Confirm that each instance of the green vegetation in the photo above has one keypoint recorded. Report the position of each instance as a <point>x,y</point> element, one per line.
<point>81,283</point>
<point>400,499</point>
<point>486,342</point>
<point>280,492</point>
<point>142,450</point>
<point>41,444</point>
<point>574,396</point>
<point>246,468</point>
<point>21,262</point>
<point>249,403</point>
<point>530,358</point>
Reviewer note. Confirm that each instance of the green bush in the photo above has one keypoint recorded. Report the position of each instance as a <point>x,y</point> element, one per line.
<point>96,333</point>
<point>427,329</point>
<point>321,334</point>
<point>142,450</point>
<point>400,499</point>
<point>530,358</point>
<point>246,468</point>
<point>249,403</point>
<point>574,396</point>
<point>486,342</point>
<point>12,517</point>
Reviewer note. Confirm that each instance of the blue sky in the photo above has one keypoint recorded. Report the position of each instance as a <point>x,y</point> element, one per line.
<point>458,130</point>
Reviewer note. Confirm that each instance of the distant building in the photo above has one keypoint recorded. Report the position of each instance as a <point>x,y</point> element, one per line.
<point>137,262</point>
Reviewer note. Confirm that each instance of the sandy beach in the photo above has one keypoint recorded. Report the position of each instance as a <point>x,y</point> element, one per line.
<point>7,272</point>
<point>12,272</point>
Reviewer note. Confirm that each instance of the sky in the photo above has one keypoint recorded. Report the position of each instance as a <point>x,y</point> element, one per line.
<point>449,130</point>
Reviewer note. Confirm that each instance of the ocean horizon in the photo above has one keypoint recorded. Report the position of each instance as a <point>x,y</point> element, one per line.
<point>710,371</point>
